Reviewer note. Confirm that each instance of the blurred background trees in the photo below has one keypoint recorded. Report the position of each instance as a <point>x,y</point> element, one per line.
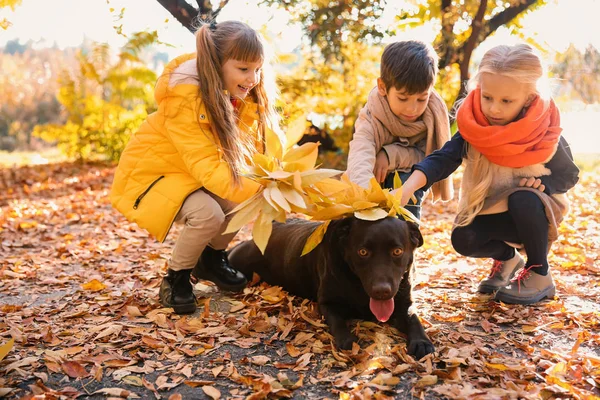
<point>104,100</point>
<point>90,99</point>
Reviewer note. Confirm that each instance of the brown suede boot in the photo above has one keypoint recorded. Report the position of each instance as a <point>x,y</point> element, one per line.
<point>527,287</point>
<point>501,274</point>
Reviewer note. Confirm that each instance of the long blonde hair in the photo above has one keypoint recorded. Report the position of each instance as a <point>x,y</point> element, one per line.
<point>521,63</point>
<point>216,43</point>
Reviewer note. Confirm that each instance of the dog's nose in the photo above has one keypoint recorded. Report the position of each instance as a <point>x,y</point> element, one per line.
<point>382,291</point>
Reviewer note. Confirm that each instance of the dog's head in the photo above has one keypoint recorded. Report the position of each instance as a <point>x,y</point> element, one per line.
<point>379,253</point>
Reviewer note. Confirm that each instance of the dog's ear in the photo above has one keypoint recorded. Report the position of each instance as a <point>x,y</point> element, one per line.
<point>415,234</point>
<point>340,230</point>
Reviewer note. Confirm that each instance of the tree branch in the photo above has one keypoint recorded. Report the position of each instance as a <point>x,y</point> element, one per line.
<point>473,41</point>
<point>182,11</point>
<point>447,53</point>
<point>506,16</point>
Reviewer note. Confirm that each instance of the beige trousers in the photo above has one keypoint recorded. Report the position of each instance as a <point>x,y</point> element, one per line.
<point>204,217</point>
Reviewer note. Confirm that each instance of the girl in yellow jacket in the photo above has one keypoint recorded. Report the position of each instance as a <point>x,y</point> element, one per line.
<point>185,162</point>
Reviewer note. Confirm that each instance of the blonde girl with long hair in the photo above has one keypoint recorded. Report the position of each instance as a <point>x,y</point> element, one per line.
<point>518,169</point>
<point>185,163</point>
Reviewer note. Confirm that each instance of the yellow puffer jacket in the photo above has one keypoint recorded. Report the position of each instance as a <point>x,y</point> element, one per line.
<point>174,153</point>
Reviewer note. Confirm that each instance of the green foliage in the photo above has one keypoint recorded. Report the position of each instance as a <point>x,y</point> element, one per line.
<point>105,100</point>
<point>336,90</point>
<point>331,24</point>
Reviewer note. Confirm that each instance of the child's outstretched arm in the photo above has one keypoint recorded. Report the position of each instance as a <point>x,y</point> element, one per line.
<point>362,153</point>
<point>402,156</point>
<point>415,181</point>
<point>437,166</point>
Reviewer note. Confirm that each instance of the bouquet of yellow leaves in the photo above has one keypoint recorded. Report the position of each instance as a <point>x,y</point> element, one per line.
<point>289,180</point>
<point>368,204</point>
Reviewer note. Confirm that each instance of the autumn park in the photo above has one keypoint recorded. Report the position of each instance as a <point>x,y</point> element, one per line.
<point>91,298</point>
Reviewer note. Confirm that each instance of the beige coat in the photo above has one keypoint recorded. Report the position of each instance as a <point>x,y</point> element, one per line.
<point>506,182</point>
<point>406,144</point>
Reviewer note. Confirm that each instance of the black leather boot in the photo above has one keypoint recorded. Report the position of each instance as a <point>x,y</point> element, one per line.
<point>213,266</point>
<point>176,291</point>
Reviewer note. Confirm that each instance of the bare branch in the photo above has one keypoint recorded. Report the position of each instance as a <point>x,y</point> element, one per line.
<point>182,11</point>
<point>506,16</point>
<point>447,53</point>
<point>474,40</point>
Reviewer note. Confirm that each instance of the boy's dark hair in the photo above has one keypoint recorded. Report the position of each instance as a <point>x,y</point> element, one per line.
<point>410,65</point>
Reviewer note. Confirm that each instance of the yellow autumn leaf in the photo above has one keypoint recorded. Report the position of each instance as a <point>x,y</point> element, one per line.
<point>5,24</point>
<point>363,205</point>
<point>335,211</point>
<point>6,348</point>
<point>397,181</point>
<point>314,176</point>
<point>94,285</point>
<point>281,216</point>
<point>301,158</point>
<point>262,231</point>
<point>293,197</point>
<point>372,214</point>
<point>273,144</point>
<point>297,181</point>
<point>244,216</point>
<point>315,238</point>
<point>263,162</point>
<point>268,197</point>
<point>408,215</point>
<point>504,367</point>
<point>294,131</point>
<point>280,175</point>
<point>331,186</point>
<point>376,193</point>
<point>279,199</point>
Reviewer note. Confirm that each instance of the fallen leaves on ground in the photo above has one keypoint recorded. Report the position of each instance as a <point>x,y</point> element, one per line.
<point>79,314</point>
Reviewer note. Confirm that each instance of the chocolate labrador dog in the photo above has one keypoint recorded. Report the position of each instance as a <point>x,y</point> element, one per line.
<point>361,270</point>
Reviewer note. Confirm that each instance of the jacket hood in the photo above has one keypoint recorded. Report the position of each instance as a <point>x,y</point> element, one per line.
<point>161,91</point>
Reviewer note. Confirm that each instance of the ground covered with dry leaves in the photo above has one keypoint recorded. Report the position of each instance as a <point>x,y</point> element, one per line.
<point>79,314</point>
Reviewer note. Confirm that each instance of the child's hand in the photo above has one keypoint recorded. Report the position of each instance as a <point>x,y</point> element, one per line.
<point>532,182</point>
<point>382,165</point>
<point>406,196</point>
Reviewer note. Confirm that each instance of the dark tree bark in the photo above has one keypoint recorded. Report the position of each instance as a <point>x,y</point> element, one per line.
<point>480,30</point>
<point>187,14</point>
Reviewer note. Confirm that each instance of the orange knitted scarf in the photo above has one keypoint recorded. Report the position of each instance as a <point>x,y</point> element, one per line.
<point>526,141</point>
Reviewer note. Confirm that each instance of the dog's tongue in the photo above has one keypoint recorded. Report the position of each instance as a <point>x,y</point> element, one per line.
<point>382,309</point>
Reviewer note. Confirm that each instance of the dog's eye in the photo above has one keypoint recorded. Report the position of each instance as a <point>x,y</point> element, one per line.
<point>397,252</point>
<point>363,252</point>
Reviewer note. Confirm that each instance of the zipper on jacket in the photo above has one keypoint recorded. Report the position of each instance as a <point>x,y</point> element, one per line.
<point>141,196</point>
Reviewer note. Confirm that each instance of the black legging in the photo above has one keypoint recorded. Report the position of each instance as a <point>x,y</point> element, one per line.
<point>524,222</point>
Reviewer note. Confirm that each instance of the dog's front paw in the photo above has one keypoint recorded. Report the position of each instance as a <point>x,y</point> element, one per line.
<point>419,348</point>
<point>344,341</point>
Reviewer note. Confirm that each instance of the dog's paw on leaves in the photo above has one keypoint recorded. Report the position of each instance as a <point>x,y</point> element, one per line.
<point>344,342</point>
<point>420,348</point>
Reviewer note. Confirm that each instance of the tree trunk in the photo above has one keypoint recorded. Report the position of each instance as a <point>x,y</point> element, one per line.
<point>468,47</point>
<point>480,31</point>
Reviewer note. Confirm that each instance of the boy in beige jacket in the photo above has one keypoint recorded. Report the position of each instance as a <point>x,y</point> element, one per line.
<point>403,121</point>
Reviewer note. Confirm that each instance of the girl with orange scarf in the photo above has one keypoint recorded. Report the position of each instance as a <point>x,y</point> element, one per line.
<point>518,170</point>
